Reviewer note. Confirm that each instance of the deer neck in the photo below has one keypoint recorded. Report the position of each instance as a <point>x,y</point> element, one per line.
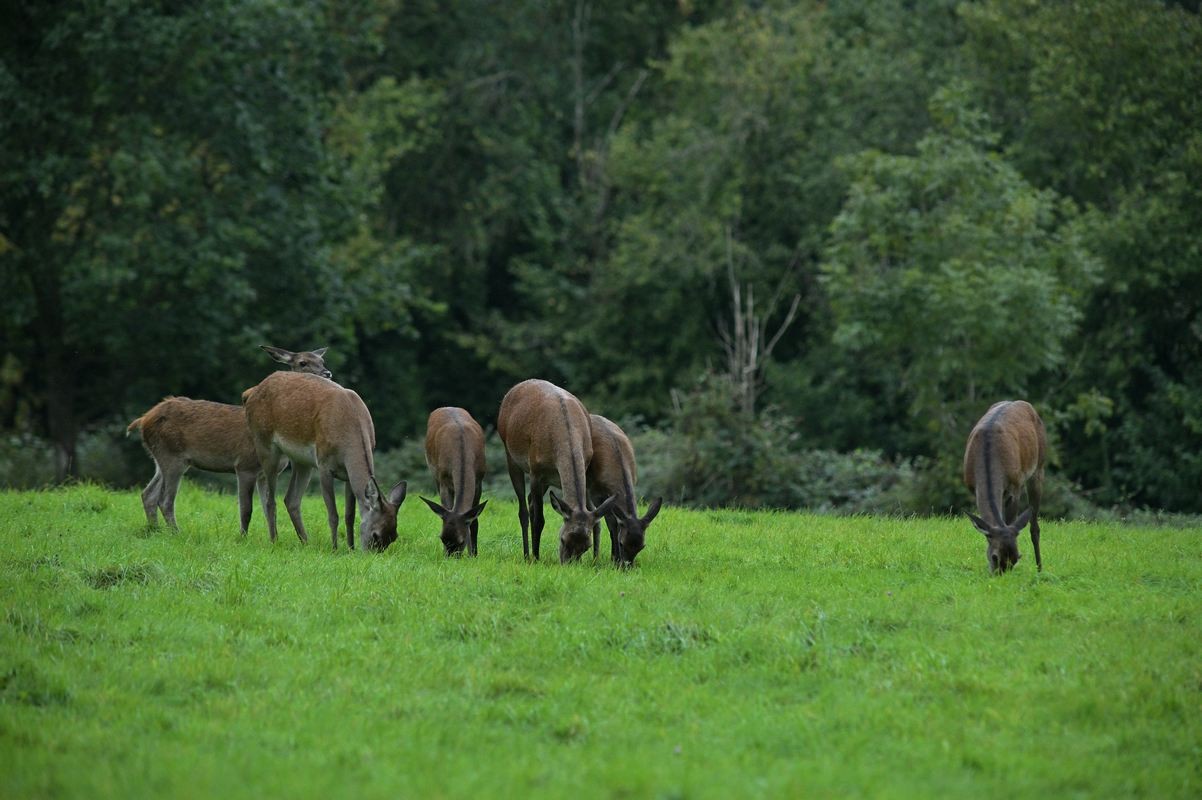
<point>990,480</point>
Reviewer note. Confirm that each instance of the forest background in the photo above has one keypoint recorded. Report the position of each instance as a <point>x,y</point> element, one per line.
<point>796,249</point>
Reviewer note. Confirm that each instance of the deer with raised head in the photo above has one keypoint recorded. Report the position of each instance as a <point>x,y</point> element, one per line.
<point>613,472</point>
<point>546,434</point>
<point>1005,453</point>
<point>180,433</point>
<point>309,361</point>
<point>318,425</point>
<point>455,456</point>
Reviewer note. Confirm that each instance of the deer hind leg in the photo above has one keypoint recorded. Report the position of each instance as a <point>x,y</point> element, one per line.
<point>518,479</point>
<point>537,521</point>
<point>246,501</point>
<point>271,470</point>
<point>150,497</point>
<point>348,497</point>
<point>1035,494</point>
<point>173,472</point>
<point>292,499</point>
<point>327,494</point>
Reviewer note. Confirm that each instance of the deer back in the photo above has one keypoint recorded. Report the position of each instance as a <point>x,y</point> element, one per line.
<point>1005,448</point>
<point>301,410</point>
<point>612,470</point>
<point>455,449</point>
<point>212,436</point>
<point>546,432</point>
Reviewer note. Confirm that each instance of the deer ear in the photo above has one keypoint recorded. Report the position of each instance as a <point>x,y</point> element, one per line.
<point>605,506</point>
<point>279,354</point>
<point>652,511</point>
<point>321,351</point>
<point>559,506</point>
<point>435,507</point>
<point>371,494</point>
<point>1021,521</point>
<point>396,495</point>
<point>978,523</point>
<point>475,512</point>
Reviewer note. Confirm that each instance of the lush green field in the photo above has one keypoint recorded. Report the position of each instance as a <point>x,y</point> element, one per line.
<point>748,655</point>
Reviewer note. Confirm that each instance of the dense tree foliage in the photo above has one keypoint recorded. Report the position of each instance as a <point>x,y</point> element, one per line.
<point>973,200</point>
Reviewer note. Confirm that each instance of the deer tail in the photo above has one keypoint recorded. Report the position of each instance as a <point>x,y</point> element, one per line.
<point>136,425</point>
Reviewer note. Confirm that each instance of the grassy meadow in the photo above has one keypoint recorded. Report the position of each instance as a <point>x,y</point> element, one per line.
<point>749,654</point>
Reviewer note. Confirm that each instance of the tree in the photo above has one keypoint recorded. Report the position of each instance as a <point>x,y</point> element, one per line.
<point>952,277</point>
<point>166,198</point>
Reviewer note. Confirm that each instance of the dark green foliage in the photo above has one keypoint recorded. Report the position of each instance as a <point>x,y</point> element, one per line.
<point>973,200</point>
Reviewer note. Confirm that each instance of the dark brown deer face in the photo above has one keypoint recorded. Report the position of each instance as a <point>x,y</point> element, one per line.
<point>378,528</point>
<point>1002,548</point>
<point>576,535</point>
<point>309,361</point>
<point>632,532</point>
<point>456,528</point>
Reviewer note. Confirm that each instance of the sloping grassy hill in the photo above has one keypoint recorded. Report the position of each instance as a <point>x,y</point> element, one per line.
<point>750,654</point>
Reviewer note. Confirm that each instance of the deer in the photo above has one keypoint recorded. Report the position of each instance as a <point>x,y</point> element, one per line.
<point>455,456</point>
<point>613,472</point>
<point>318,425</point>
<point>545,430</point>
<point>1005,453</point>
<point>179,433</point>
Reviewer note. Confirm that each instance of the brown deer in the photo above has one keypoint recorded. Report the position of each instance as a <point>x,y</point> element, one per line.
<point>546,434</point>
<point>1005,452</point>
<point>317,424</point>
<point>455,456</point>
<point>613,472</point>
<point>180,433</point>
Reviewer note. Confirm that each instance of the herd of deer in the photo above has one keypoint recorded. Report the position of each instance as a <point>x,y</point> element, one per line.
<point>303,418</point>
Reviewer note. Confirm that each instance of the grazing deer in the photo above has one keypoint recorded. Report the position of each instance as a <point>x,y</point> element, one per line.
<point>613,472</point>
<point>180,433</point>
<point>455,456</point>
<point>1005,452</point>
<point>546,435</point>
<point>317,424</point>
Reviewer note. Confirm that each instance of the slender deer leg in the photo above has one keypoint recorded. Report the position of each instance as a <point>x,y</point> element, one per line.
<point>348,497</point>
<point>261,485</point>
<point>271,468</point>
<point>518,479</point>
<point>475,526</point>
<point>327,494</point>
<point>150,497</point>
<point>1035,494</point>
<point>611,522</point>
<point>596,538</point>
<point>173,472</point>
<point>292,499</point>
<point>246,499</point>
<point>1012,508</point>
<point>536,515</point>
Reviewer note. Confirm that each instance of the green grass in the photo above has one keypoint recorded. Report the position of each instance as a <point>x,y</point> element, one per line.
<point>750,654</point>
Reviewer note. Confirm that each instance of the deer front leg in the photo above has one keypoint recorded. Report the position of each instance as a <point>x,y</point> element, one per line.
<point>327,494</point>
<point>292,499</point>
<point>1035,495</point>
<point>518,479</point>
<point>348,497</point>
<point>475,526</point>
<point>537,520</point>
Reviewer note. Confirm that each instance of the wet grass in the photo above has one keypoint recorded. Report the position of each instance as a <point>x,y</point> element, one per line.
<point>750,654</point>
